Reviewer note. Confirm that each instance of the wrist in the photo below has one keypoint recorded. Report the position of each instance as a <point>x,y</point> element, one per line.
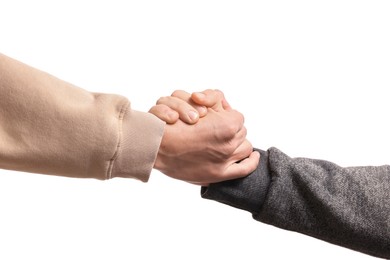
<point>246,193</point>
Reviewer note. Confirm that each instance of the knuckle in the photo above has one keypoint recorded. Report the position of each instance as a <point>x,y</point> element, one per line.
<point>246,147</point>
<point>152,109</point>
<point>231,130</point>
<point>162,100</point>
<point>219,93</point>
<point>244,131</point>
<point>240,116</point>
<point>161,108</point>
<point>238,119</point>
<point>177,93</point>
<point>227,133</point>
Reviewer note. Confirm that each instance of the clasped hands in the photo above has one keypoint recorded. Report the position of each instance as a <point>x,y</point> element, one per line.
<point>204,139</point>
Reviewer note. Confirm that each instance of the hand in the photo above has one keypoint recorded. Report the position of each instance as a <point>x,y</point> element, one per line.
<point>188,108</point>
<point>208,151</point>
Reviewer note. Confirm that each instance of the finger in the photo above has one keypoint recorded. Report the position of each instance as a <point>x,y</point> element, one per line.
<point>229,127</point>
<point>244,167</point>
<point>211,98</point>
<point>186,112</point>
<point>165,113</point>
<point>239,117</point>
<point>242,146</point>
<point>234,123</point>
<point>242,152</point>
<point>185,96</point>
<point>225,104</point>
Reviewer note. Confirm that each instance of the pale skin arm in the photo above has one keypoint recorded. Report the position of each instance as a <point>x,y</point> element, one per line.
<point>50,126</point>
<point>207,151</point>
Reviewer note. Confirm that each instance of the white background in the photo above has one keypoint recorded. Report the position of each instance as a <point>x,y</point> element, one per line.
<point>311,78</point>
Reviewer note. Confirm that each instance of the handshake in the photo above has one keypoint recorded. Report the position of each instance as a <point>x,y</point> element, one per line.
<point>49,126</point>
<point>204,140</point>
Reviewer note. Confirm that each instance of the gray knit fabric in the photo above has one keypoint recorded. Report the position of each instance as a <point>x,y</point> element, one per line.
<point>349,207</point>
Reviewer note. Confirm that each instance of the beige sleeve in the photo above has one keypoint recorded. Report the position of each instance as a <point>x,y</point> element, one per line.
<point>49,126</point>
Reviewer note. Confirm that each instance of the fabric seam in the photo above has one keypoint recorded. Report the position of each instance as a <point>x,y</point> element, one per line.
<point>122,114</point>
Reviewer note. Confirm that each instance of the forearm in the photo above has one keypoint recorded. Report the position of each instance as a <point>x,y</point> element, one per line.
<point>52,127</point>
<point>345,206</point>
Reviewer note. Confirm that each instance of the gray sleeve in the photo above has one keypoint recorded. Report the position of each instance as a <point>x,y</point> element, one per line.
<point>349,206</point>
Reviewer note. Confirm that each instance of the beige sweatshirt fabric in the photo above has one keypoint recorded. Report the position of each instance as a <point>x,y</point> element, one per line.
<point>51,127</point>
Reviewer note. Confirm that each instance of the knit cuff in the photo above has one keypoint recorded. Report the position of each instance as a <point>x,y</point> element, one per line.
<point>246,193</point>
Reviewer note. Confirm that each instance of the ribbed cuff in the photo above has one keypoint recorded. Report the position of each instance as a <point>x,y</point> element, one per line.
<point>247,193</point>
<point>141,137</point>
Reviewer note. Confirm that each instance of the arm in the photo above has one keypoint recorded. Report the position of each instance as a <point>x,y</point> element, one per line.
<point>345,206</point>
<point>52,127</point>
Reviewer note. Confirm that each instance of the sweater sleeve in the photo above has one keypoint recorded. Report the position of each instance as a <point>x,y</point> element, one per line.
<point>49,126</point>
<point>348,206</point>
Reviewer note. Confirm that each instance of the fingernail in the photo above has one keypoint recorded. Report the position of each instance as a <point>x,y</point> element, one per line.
<point>203,110</point>
<point>193,115</point>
